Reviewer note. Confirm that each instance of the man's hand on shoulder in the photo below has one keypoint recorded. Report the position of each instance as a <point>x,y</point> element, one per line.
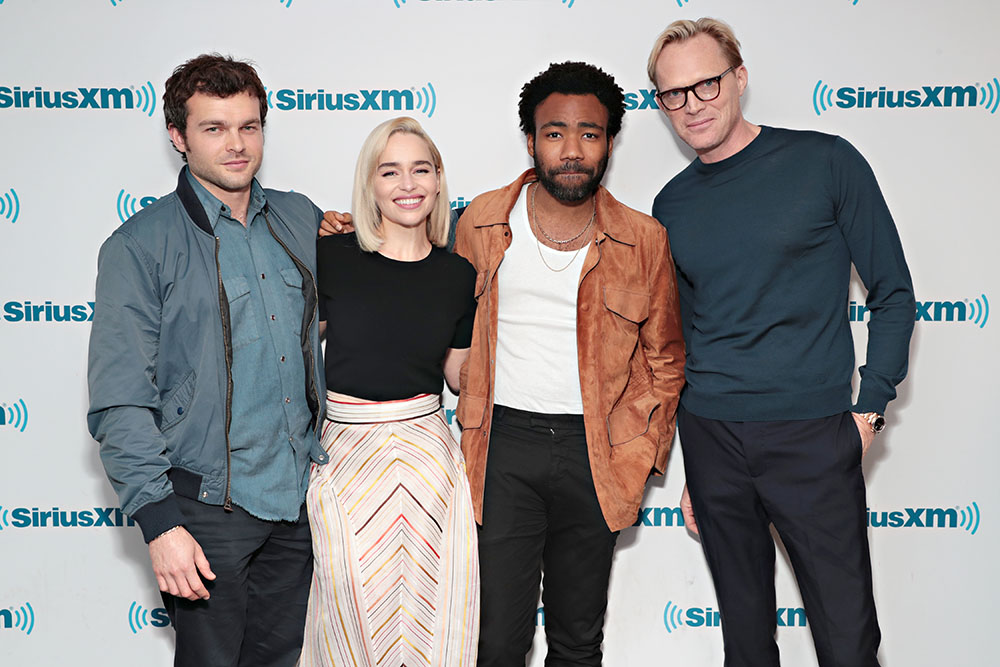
<point>177,561</point>
<point>335,222</point>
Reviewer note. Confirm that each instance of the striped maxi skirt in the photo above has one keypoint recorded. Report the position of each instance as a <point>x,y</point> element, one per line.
<point>396,577</point>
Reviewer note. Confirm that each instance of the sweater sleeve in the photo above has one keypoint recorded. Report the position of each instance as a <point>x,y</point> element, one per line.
<point>877,254</point>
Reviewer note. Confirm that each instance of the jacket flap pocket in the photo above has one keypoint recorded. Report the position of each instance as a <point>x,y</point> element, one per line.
<point>176,403</point>
<point>628,422</point>
<point>470,411</point>
<point>633,306</point>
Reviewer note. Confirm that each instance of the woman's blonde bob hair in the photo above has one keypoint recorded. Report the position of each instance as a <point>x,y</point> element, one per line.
<point>367,217</point>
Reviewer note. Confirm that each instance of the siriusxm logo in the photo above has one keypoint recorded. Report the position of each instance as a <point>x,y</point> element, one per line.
<point>25,311</point>
<point>142,98</point>
<point>644,98</point>
<point>129,205</point>
<point>21,618</point>
<point>10,207</point>
<point>15,416</point>
<point>975,311</point>
<point>966,518</point>
<point>423,100</point>
<point>140,618</point>
<point>400,3</point>
<point>675,618</point>
<point>660,517</point>
<point>987,96</point>
<point>97,517</point>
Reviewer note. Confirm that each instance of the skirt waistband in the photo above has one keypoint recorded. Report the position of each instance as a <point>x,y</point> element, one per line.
<point>346,409</point>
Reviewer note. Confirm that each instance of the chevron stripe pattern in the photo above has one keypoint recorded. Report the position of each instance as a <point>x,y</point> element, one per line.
<point>396,579</point>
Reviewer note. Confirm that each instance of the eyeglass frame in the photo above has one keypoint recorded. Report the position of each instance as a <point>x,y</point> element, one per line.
<point>692,89</point>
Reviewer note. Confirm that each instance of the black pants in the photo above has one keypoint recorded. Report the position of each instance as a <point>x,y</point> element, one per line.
<point>540,510</point>
<point>805,477</point>
<point>256,613</point>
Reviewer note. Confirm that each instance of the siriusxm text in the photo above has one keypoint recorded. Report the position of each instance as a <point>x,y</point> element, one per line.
<point>287,99</point>
<point>26,311</point>
<point>97,517</point>
<point>926,96</point>
<point>79,98</point>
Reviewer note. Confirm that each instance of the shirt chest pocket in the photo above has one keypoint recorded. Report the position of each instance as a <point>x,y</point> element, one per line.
<point>243,316</point>
<point>291,287</point>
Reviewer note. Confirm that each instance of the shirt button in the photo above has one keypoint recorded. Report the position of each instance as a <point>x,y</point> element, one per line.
<point>287,400</point>
<point>204,494</point>
<point>585,307</point>
<point>282,358</point>
<point>289,440</point>
<point>273,318</point>
<point>262,276</point>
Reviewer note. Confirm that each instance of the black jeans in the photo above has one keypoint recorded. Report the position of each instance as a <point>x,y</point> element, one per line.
<point>540,510</point>
<point>805,477</point>
<point>256,613</point>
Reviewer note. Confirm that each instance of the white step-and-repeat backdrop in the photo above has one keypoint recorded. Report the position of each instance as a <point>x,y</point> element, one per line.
<point>83,147</point>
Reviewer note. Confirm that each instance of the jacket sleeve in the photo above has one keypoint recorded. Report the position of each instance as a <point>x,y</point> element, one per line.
<point>663,342</point>
<point>124,397</point>
<point>877,255</point>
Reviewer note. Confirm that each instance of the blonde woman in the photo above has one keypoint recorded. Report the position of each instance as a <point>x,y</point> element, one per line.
<point>396,577</point>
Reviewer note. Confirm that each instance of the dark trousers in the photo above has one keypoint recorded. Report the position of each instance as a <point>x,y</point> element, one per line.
<point>805,477</point>
<point>540,510</point>
<point>256,613</point>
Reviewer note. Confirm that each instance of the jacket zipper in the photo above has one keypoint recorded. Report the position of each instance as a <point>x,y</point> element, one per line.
<point>227,344</point>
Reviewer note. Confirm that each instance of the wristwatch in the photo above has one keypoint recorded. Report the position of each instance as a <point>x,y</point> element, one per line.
<point>875,421</point>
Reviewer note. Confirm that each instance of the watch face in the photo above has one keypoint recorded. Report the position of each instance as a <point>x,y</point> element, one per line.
<point>878,424</point>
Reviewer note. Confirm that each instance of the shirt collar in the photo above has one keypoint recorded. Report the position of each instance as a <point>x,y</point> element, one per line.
<point>214,208</point>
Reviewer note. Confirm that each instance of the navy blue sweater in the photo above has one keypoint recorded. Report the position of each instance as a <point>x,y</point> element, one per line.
<point>763,242</point>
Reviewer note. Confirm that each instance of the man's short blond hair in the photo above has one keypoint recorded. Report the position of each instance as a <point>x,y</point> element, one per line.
<point>367,217</point>
<point>679,31</point>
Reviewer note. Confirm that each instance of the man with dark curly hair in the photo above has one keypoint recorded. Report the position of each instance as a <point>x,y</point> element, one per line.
<point>569,393</point>
<point>206,378</point>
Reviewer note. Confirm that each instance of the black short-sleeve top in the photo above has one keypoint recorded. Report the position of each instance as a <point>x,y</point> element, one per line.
<point>389,323</point>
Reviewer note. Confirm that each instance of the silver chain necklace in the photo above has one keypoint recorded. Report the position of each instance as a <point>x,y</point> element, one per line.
<point>538,225</point>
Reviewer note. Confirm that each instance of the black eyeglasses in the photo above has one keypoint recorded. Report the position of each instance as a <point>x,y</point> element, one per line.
<point>706,91</point>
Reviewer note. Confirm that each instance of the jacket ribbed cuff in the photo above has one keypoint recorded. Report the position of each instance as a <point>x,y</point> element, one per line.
<point>158,517</point>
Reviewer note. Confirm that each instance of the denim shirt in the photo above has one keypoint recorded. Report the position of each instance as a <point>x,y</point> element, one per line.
<point>270,434</point>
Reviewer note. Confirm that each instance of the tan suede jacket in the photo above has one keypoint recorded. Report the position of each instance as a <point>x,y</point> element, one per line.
<point>630,346</point>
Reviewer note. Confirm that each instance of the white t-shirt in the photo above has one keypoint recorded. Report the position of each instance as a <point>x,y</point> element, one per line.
<point>536,364</point>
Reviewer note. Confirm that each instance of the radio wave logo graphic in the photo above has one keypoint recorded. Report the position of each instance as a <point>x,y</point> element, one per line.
<point>128,205</point>
<point>822,97</point>
<point>22,618</point>
<point>989,95</point>
<point>115,3</point>
<point>286,3</point>
<point>979,311</point>
<point>681,4</point>
<point>138,618</point>
<point>672,617</point>
<point>145,99</point>
<point>4,522</point>
<point>10,206</point>
<point>16,417</point>
<point>970,518</point>
<point>427,99</point>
